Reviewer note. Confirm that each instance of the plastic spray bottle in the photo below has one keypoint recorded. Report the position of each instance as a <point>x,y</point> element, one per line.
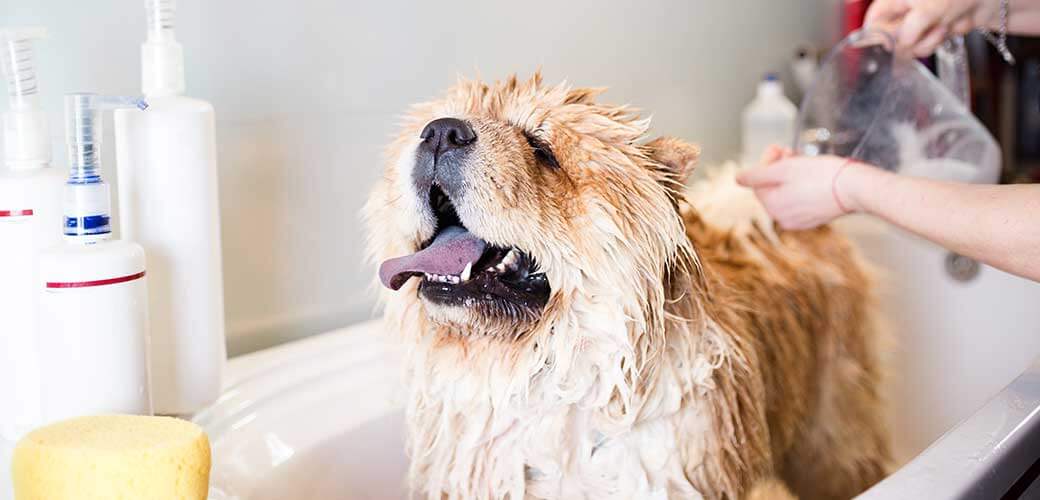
<point>169,204</point>
<point>93,294</point>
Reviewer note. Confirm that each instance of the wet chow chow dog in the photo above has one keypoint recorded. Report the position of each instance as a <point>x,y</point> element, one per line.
<point>582,325</point>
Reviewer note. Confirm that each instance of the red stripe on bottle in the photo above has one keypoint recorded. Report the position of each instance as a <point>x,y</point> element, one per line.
<point>15,213</point>
<point>86,284</point>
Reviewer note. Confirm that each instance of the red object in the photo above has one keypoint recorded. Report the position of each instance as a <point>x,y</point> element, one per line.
<point>86,284</point>
<point>853,13</point>
<point>15,213</point>
<point>834,185</point>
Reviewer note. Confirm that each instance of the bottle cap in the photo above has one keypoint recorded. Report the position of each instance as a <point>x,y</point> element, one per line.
<point>162,58</point>
<point>27,144</point>
<point>770,85</point>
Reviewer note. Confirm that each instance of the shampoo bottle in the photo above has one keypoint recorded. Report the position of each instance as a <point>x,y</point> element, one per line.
<point>768,119</point>
<point>169,204</point>
<point>93,296</point>
<point>30,217</point>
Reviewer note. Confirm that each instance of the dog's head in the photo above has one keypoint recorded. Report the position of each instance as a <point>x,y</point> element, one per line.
<point>501,203</point>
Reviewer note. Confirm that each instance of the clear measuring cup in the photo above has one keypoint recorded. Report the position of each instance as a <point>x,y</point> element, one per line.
<point>881,107</point>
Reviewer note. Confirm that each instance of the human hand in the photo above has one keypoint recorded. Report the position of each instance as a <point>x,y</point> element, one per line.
<point>920,26</point>
<point>800,192</point>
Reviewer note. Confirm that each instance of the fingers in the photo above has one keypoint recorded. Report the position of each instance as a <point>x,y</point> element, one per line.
<point>930,43</point>
<point>886,11</point>
<point>927,23</point>
<point>918,24</point>
<point>761,176</point>
<point>786,210</point>
<point>771,154</point>
<point>962,26</point>
<point>774,153</point>
<point>921,26</point>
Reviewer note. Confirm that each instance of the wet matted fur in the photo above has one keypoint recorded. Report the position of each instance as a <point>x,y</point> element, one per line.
<point>687,348</point>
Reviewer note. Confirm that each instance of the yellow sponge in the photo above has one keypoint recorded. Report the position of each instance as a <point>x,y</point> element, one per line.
<point>113,457</point>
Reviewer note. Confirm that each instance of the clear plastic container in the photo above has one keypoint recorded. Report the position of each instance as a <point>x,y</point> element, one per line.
<point>887,109</point>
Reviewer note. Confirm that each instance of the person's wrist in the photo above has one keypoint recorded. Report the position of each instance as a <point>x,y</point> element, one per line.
<point>854,184</point>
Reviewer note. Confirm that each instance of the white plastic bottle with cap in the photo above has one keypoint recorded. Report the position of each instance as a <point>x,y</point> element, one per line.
<point>30,218</point>
<point>169,204</point>
<point>93,293</point>
<point>768,119</point>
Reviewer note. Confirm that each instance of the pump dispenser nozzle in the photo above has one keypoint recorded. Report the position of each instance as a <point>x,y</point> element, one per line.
<point>162,59</point>
<point>87,203</point>
<point>84,131</point>
<point>26,141</point>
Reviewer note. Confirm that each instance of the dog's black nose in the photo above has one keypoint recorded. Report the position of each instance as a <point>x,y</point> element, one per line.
<point>445,134</point>
<point>442,156</point>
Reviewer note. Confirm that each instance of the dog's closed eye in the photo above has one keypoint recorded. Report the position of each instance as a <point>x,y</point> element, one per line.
<point>542,151</point>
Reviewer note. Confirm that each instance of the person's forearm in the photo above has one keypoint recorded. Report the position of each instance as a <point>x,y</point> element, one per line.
<point>1024,17</point>
<point>995,224</point>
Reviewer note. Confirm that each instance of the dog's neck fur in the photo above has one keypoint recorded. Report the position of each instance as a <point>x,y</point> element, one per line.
<point>578,411</point>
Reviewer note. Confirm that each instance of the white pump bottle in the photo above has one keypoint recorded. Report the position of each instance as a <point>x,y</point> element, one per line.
<point>169,204</point>
<point>30,218</point>
<point>30,215</point>
<point>93,293</point>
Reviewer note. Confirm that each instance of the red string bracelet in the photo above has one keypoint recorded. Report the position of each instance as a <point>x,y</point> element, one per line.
<point>834,186</point>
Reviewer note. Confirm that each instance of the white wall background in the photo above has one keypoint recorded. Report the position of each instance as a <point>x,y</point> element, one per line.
<point>307,93</point>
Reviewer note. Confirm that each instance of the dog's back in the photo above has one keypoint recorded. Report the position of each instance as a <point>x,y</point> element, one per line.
<point>801,305</point>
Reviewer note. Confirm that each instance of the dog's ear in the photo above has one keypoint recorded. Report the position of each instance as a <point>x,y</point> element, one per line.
<point>676,156</point>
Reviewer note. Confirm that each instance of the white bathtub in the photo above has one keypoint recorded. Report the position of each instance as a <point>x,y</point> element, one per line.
<point>316,419</point>
<point>321,418</point>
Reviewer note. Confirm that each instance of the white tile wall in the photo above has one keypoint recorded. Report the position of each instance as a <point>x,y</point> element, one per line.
<point>306,94</point>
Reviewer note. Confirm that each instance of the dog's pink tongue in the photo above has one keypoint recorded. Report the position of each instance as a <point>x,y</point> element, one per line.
<point>449,254</point>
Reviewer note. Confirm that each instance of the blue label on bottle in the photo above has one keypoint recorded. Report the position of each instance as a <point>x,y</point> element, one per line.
<point>91,224</point>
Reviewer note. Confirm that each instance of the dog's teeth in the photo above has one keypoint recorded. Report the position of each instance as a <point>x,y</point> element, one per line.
<point>510,259</point>
<point>466,272</point>
<point>454,280</point>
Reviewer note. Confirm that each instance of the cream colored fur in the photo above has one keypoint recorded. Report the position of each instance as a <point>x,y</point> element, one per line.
<point>649,374</point>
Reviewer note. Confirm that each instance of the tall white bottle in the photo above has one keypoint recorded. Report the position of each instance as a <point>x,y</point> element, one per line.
<point>30,218</point>
<point>30,215</point>
<point>169,204</point>
<point>93,292</point>
<point>768,119</point>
